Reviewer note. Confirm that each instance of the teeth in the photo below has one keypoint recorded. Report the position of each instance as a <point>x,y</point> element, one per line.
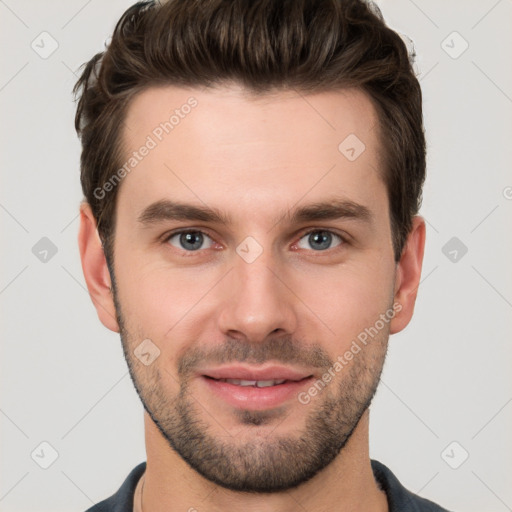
<point>267,383</point>
<point>254,383</point>
<point>247,383</point>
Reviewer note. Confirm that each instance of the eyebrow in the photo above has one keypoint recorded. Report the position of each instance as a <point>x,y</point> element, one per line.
<point>334,209</point>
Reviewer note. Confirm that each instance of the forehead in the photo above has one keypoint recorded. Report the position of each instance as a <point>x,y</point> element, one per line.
<point>230,147</point>
<point>235,112</point>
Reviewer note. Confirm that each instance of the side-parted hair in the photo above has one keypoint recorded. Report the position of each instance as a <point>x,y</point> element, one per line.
<point>266,46</point>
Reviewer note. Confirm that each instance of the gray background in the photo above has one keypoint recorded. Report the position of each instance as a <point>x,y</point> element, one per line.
<point>446,389</point>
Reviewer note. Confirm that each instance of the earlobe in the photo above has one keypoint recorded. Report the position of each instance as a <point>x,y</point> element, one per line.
<point>408,275</point>
<point>95,269</point>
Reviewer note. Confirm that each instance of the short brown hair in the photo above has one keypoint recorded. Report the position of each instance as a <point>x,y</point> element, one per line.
<point>265,45</point>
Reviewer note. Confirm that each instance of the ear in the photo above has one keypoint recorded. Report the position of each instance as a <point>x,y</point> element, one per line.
<point>408,275</point>
<point>95,269</point>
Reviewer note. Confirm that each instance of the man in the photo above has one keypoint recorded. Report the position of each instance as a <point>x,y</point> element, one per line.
<point>252,174</point>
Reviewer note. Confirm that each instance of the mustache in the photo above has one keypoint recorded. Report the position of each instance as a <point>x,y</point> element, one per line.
<point>284,350</point>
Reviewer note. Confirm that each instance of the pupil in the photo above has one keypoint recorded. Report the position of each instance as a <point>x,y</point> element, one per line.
<point>194,239</point>
<point>321,239</point>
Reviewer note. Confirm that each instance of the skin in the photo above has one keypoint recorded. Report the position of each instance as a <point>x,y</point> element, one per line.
<point>255,159</point>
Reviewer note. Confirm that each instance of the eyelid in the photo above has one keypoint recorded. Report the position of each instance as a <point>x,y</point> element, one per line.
<point>345,238</point>
<point>177,231</point>
<point>167,236</point>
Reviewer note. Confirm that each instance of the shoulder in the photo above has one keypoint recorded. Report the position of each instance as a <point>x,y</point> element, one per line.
<point>399,498</point>
<point>122,500</point>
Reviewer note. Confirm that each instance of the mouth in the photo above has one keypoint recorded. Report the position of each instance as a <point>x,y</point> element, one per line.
<point>254,388</point>
<point>253,383</point>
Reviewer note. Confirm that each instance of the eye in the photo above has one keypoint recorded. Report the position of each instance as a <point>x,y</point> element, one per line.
<point>190,240</point>
<point>320,240</point>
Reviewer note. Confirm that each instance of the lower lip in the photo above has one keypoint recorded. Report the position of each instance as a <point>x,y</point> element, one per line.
<point>254,398</point>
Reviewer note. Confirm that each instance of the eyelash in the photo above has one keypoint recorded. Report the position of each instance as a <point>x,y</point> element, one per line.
<point>343,239</point>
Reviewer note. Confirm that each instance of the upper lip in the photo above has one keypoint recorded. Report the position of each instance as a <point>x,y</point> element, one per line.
<point>253,373</point>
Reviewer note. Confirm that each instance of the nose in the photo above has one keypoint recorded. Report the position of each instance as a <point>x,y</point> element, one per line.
<point>257,301</point>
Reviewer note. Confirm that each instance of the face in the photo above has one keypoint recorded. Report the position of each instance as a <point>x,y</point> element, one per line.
<point>252,255</point>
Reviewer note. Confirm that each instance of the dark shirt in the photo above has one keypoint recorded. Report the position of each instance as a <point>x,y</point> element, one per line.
<point>399,498</point>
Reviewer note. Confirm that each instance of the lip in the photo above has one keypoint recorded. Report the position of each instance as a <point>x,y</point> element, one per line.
<point>274,372</point>
<point>250,397</point>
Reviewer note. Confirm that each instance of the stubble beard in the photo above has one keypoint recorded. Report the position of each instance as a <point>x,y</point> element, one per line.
<point>259,463</point>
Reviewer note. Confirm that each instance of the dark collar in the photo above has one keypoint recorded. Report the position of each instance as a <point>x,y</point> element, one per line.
<point>399,498</point>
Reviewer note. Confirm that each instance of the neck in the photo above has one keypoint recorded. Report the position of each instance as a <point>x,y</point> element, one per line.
<point>347,484</point>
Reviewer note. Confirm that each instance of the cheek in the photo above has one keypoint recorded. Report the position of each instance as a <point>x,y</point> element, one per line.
<point>348,299</point>
<point>159,301</point>
<point>178,305</point>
